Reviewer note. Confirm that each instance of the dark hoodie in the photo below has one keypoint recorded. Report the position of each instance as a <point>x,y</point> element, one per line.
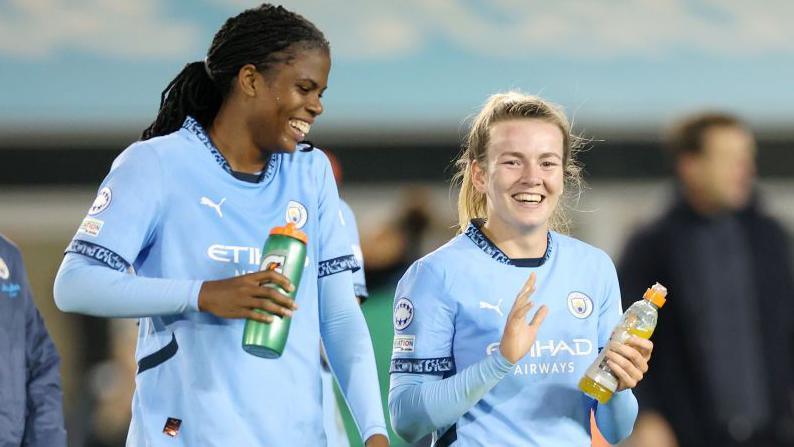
<point>31,411</point>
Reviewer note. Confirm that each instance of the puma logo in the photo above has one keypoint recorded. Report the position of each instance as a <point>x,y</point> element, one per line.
<point>494,307</point>
<point>213,205</point>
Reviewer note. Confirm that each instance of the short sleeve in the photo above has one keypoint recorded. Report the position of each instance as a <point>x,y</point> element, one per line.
<point>424,323</point>
<point>121,221</point>
<point>335,251</point>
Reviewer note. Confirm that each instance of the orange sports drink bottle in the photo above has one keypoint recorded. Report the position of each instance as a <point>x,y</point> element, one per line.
<point>640,319</point>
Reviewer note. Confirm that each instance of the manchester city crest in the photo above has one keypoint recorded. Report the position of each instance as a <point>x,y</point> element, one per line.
<point>296,213</point>
<point>580,305</point>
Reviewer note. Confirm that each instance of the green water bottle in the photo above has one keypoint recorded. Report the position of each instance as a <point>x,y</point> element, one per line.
<point>285,253</point>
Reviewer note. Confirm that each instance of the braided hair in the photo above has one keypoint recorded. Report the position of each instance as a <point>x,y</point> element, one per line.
<point>263,36</point>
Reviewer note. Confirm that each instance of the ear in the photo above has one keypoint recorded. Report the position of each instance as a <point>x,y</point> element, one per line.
<point>479,177</point>
<point>247,80</point>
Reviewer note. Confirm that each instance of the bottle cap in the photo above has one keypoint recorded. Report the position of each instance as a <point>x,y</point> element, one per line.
<point>656,294</point>
<point>290,230</point>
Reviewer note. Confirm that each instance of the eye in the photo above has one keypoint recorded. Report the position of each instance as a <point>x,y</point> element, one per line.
<point>548,164</point>
<point>511,162</point>
<point>304,88</point>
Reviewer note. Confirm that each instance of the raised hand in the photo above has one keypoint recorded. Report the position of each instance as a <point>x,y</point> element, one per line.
<point>519,336</point>
<point>238,297</point>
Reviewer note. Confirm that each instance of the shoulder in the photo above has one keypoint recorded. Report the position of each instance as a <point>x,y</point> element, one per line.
<point>583,252</point>
<point>445,261</point>
<point>307,157</point>
<point>8,248</point>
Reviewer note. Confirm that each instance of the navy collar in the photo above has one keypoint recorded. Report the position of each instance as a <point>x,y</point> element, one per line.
<point>479,238</point>
<point>191,125</point>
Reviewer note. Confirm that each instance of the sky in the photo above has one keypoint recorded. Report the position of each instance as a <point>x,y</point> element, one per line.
<point>414,64</point>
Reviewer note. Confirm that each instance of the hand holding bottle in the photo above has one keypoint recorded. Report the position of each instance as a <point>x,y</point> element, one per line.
<point>629,360</point>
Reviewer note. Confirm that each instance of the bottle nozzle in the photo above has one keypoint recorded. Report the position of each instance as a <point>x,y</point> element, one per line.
<point>656,294</point>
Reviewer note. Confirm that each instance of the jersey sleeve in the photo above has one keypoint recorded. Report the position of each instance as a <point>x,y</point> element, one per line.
<point>335,252</point>
<point>610,306</point>
<point>121,221</point>
<point>349,221</point>
<point>423,324</point>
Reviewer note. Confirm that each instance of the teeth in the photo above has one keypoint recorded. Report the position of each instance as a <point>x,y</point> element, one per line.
<point>527,197</point>
<point>302,126</point>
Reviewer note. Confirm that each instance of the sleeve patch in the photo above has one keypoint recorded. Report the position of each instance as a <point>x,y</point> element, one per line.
<point>436,366</point>
<point>336,265</point>
<point>100,253</point>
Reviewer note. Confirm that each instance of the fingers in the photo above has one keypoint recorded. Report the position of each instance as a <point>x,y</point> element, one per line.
<point>627,363</point>
<point>644,346</point>
<point>271,277</point>
<point>271,294</point>
<point>539,316</point>
<point>522,299</point>
<point>263,317</point>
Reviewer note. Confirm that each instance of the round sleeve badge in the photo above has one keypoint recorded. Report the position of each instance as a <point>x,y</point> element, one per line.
<point>403,313</point>
<point>101,202</point>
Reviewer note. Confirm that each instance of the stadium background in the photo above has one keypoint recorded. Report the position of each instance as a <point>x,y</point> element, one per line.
<point>81,78</point>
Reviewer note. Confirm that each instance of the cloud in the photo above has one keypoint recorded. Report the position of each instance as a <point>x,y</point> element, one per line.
<point>379,29</point>
<point>384,29</point>
<point>36,29</point>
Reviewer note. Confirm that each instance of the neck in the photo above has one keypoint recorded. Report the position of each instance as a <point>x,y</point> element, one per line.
<point>515,243</point>
<point>232,138</point>
<point>700,204</point>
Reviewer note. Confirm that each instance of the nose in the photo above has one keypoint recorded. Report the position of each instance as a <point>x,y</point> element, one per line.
<point>531,175</point>
<point>315,106</point>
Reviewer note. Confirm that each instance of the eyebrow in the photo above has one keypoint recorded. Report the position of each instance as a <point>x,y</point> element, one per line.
<point>550,154</point>
<point>521,154</point>
<point>313,83</point>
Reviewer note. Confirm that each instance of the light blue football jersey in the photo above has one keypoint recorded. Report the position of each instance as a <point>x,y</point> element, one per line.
<point>170,208</point>
<point>450,311</point>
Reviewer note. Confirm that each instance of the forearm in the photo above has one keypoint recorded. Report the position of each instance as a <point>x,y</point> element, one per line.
<point>421,403</point>
<point>350,354</point>
<point>86,286</point>
<point>616,418</point>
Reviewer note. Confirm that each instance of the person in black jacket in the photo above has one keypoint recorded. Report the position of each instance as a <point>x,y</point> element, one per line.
<point>722,372</point>
<point>31,404</point>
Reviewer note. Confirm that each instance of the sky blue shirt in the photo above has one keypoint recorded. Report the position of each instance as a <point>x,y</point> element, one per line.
<point>169,208</point>
<point>450,311</point>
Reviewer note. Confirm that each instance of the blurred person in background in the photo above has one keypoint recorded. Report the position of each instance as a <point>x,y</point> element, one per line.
<point>722,372</point>
<point>391,248</point>
<point>468,364</point>
<point>174,238</point>
<point>110,385</point>
<point>31,402</point>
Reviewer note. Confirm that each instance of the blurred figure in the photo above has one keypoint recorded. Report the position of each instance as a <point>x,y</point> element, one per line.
<point>111,385</point>
<point>390,249</point>
<point>31,403</point>
<point>722,373</point>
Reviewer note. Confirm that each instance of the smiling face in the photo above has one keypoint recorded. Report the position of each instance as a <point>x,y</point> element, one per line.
<point>288,99</point>
<point>523,175</point>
